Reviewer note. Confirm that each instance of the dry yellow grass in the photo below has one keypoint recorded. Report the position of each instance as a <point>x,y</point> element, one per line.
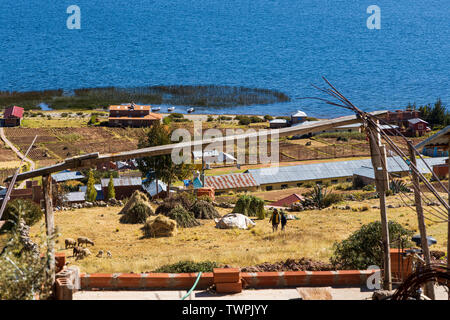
<point>312,236</point>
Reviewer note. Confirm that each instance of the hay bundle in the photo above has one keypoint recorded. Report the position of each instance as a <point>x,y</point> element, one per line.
<point>160,226</point>
<point>183,199</point>
<point>137,196</point>
<point>250,206</point>
<point>184,218</point>
<point>204,210</point>
<point>137,213</point>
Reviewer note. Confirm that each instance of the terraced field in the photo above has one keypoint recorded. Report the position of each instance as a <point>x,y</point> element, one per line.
<point>56,144</point>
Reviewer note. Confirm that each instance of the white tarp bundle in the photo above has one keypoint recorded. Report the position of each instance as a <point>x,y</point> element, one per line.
<point>234,220</point>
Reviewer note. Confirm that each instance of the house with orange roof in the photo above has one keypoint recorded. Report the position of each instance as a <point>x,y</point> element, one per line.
<point>132,115</point>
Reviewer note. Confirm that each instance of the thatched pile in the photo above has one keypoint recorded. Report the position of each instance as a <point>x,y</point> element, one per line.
<point>184,218</point>
<point>159,226</point>
<point>184,199</point>
<point>250,206</point>
<point>204,210</point>
<point>137,196</point>
<point>137,209</point>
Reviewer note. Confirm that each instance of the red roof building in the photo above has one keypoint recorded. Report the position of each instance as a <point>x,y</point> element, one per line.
<point>12,116</point>
<point>233,181</point>
<point>286,202</point>
<point>132,116</point>
<point>417,127</point>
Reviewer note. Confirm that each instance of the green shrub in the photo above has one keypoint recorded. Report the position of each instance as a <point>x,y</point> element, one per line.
<point>167,120</point>
<point>332,198</point>
<point>369,187</point>
<point>24,273</point>
<point>397,186</point>
<point>256,119</point>
<point>268,117</point>
<point>364,247</point>
<point>188,267</point>
<point>17,209</point>
<point>323,198</point>
<point>210,119</point>
<point>176,115</point>
<point>225,118</point>
<point>244,121</point>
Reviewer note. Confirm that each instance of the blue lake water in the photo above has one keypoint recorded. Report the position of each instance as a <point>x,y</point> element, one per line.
<point>284,45</point>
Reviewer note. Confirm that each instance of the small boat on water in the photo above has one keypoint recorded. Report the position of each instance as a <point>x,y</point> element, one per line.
<point>156,108</point>
<point>170,109</point>
<point>190,110</point>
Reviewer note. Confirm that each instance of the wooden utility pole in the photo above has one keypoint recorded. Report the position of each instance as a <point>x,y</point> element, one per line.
<point>379,162</point>
<point>49,222</point>
<point>429,287</point>
<point>448,211</point>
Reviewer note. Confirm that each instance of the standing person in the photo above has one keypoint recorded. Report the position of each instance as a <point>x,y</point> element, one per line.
<point>275,219</point>
<point>283,220</point>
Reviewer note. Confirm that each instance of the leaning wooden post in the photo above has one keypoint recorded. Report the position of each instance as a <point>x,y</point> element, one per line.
<point>49,222</point>
<point>448,211</point>
<point>379,162</point>
<point>429,287</point>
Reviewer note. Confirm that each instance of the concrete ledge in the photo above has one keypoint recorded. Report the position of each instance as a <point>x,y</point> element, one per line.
<point>250,280</point>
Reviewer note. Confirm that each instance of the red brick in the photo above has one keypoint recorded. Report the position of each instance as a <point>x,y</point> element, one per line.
<point>348,277</point>
<point>321,278</point>
<point>100,280</point>
<point>295,278</point>
<point>234,287</point>
<point>129,280</point>
<point>226,275</point>
<point>156,280</point>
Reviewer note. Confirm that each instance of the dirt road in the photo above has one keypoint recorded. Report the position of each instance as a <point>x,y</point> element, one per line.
<point>19,154</point>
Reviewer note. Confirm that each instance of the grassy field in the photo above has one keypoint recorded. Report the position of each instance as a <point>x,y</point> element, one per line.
<point>312,236</point>
<point>54,123</point>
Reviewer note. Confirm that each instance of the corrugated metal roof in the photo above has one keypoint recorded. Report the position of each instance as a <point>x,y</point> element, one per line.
<point>330,170</point>
<point>67,175</point>
<point>299,113</point>
<point>123,181</point>
<point>98,187</point>
<point>416,120</point>
<point>75,196</point>
<point>231,181</point>
<point>151,188</point>
<point>439,137</point>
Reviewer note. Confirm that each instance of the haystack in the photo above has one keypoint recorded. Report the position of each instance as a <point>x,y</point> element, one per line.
<point>137,209</point>
<point>137,196</point>
<point>160,226</point>
<point>183,199</point>
<point>184,218</point>
<point>204,210</point>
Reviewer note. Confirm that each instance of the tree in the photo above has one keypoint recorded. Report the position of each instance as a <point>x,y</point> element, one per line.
<point>364,247</point>
<point>111,190</point>
<point>91,193</point>
<point>160,167</point>
<point>436,115</point>
<point>18,209</point>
